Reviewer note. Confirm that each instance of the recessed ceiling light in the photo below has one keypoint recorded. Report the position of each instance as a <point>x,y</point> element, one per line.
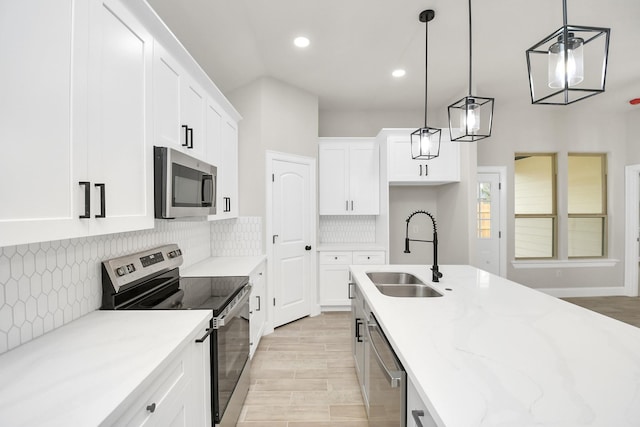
<point>301,41</point>
<point>398,73</point>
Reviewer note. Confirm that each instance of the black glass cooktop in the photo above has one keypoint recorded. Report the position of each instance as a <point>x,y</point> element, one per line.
<point>212,293</point>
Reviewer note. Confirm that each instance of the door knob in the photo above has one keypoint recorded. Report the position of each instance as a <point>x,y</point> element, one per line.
<point>307,248</point>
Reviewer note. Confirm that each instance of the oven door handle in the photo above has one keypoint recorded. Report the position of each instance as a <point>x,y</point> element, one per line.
<point>219,322</point>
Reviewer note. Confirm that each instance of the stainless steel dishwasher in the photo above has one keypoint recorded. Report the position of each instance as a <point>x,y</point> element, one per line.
<point>387,385</point>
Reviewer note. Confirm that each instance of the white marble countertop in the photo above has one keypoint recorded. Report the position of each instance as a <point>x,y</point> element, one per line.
<point>77,375</point>
<point>223,266</point>
<point>335,247</point>
<point>491,352</point>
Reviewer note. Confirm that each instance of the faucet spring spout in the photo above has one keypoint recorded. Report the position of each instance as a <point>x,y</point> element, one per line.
<point>435,275</point>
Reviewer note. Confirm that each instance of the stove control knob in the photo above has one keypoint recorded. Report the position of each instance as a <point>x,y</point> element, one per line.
<point>120,271</point>
<point>171,254</point>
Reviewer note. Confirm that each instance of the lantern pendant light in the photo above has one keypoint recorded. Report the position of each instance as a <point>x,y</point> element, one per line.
<point>568,65</point>
<point>470,118</point>
<point>425,142</point>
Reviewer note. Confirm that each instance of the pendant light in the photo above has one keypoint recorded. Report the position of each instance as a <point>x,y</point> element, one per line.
<point>425,142</point>
<point>470,118</point>
<point>568,65</point>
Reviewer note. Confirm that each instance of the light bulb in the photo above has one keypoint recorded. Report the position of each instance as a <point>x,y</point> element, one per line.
<point>429,143</point>
<point>575,62</point>
<point>470,118</point>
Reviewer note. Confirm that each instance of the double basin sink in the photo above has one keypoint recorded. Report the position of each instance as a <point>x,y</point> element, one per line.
<point>398,284</point>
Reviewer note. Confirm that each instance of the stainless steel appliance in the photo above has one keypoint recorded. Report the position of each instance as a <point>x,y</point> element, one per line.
<point>387,381</point>
<point>150,280</point>
<point>183,186</point>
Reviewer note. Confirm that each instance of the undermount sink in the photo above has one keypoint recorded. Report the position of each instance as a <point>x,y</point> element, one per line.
<point>397,284</point>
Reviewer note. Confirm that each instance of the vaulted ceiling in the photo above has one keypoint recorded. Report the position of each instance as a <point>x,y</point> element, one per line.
<point>356,44</point>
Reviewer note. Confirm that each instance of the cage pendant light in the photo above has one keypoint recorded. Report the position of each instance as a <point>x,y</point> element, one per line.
<point>568,65</point>
<point>470,118</point>
<point>425,142</point>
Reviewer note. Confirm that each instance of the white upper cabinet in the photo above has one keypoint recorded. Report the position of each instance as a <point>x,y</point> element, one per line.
<point>74,137</point>
<point>88,87</point>
<point>120,88</point>
<point>349,176</point>
<point>40,137</point>
<point>228,173</point>
<point>402,169</point>
<point>179,106</point>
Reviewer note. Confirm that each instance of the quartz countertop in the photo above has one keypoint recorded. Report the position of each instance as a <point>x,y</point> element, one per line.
<point>492,352</point>
<point>223,266</point>
<point>78,374</point>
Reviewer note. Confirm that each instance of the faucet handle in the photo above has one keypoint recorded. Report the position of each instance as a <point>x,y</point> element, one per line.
<point>406,246</point>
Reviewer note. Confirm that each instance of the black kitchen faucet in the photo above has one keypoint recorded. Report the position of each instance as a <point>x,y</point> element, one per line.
<point>436,275</point>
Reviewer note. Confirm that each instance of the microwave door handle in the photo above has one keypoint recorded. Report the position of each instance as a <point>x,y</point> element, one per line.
<point>205,199</point>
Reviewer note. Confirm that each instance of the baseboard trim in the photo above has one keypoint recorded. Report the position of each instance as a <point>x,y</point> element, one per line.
<point>584,292</point>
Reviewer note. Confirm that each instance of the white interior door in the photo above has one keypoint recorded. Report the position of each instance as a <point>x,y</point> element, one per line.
<point>292,232</point>
<point>488,222</point>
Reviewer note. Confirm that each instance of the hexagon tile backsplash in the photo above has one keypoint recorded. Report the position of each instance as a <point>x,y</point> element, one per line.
<point>46,285</point>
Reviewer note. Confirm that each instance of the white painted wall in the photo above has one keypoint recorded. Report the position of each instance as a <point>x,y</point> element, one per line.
<point>277,117</point>
<point>523,127</point>
<point>518,127</point>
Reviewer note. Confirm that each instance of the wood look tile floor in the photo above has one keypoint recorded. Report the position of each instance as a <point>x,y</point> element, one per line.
<point>303,375</point>
<point>624,309</point>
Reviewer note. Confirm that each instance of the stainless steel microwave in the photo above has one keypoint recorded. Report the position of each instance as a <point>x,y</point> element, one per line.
<point>183,186</point>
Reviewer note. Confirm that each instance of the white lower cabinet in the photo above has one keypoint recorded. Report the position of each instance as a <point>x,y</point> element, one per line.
<point>335,277</point>
<point>179,394</point>
<point>417,413</point>
<point>257,307</point>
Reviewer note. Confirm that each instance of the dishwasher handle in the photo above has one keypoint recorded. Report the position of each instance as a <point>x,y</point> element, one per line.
<point>394,376</point>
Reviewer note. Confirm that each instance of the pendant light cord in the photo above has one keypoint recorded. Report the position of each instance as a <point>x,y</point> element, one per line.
<point>426,68</point>
<point>470,51</point>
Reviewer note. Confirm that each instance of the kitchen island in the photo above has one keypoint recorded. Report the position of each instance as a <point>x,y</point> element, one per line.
<point>491,352</point>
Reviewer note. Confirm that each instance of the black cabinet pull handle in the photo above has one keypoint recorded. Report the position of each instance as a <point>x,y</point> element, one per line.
<point>103,202</point>
<point>227,204</point>
<point>258,297</point>
<point>186,136</point>
<point>352,205</point>
<point>420,170</point>
<point>358,323</point>
<point>151,408</point>
<point>426,170</point>
<point>307,248</point>
<point>208,332</point>
<point>87,199</point>
<point>190,137</point>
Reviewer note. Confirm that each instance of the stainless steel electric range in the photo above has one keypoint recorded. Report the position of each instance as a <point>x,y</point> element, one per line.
<point>150,280</point>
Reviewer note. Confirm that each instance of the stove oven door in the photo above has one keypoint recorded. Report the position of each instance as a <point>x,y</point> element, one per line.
<point>230,348</point>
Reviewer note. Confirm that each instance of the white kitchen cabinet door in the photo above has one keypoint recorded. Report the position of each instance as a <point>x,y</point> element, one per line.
<point>334,278</point>
<point>120,87</point>
<point>167,90</point>
<point>349,177</point>
<point>404,170</point>
<point>334,285</point>
<point>213,133</point>
<point>364,185</point>
<point>193,110</point>
<point>42,119</point>
<point>257,308</point>
<point>228,173</point>
<point>179,107</point>
<point>178,395</point>
<point>333,159</point>
<point>417,413</point>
